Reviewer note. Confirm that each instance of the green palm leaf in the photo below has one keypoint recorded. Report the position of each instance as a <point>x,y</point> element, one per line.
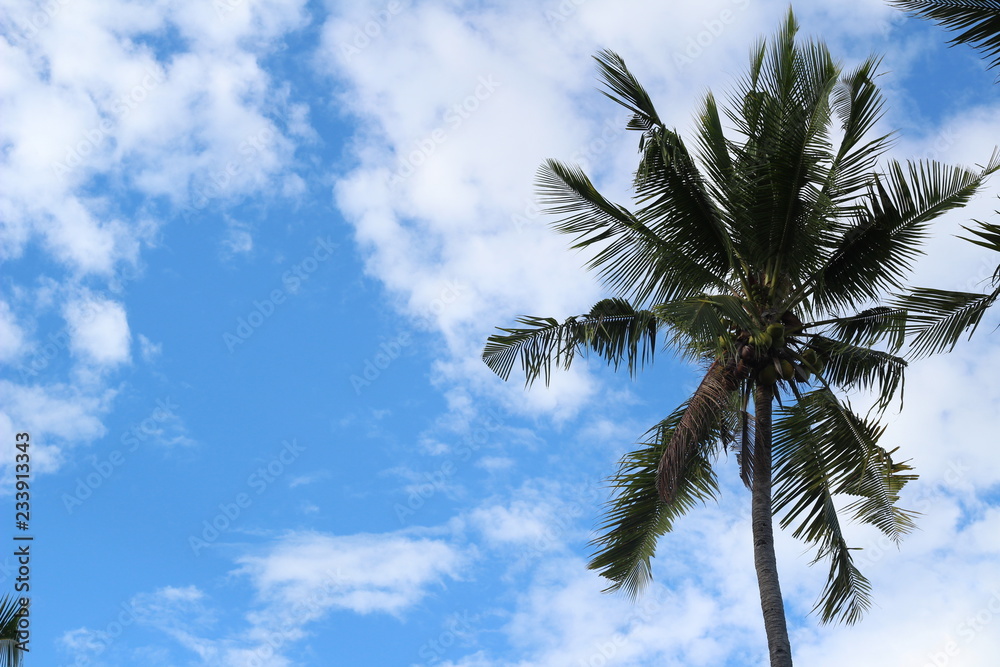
<point>871,326</point>
<point>885,237</point>
<point>939,318</point>
<point>632,257</point>
<point>626,90</point>
<point>822,449</point>
<point>613,329</point>
<point>696,323</point>
<point>636,517</point>
<point>988,236</point>
<point>857,367</point>
<point>858,105</point>
<point>700,419</point>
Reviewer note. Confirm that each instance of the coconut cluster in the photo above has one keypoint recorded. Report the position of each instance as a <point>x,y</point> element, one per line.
<point>766,355</point>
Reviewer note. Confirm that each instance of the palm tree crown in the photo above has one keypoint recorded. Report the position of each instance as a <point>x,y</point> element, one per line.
<point>765,255</point>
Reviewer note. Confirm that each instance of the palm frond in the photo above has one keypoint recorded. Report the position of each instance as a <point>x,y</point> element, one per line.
<point>859,367</point>
<point>775,199</point>
<point>939,318</point>
<point>714,148</point>
<point>858,105</point>
<point>877,250</point>
<point>612,329</point>
<point>632,257</point>
<point>676,202</point>
<point>11,655</point>
<point>626,90</point>
<point>988,235</point>
<point>702,416</point>
<point>872,326</point>
<point>635,518</point>
<point>677,205</point>
<point>978,21</point>
<point>822,449</point>
<point>696,322</point>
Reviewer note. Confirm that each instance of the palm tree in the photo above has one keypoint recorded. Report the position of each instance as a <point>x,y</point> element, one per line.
<point>763,257</point>
<point>978,21</point>
<point>11,654</point>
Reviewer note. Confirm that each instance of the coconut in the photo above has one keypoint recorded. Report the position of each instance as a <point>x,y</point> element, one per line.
<point>787,370</point>
<point>768,374</point>
<point>777,333</point>
<point>763,340</point>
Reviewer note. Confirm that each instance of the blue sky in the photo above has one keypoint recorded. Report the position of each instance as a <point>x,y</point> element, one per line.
<point>251,252</point>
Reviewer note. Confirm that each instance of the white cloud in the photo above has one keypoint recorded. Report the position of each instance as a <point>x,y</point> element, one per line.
<point>55,415</point>
<point>238,239</point>
<point>496,463</point>
<point>298,579</point>
<point>362,573</point>
<point>57,410</point>
<point>523,522</point>
<point>11,335</point>
<point>148,349</point>
<point>99,331</point>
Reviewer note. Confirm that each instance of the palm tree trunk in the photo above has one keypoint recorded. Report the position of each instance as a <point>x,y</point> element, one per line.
<point>763,534</point>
